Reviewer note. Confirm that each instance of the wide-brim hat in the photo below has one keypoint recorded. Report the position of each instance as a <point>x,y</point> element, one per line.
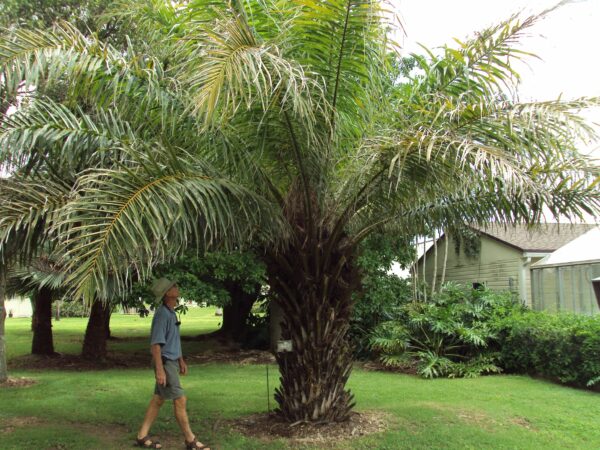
<point>160,288</point>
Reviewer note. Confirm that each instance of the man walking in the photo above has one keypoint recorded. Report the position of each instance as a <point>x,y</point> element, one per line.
<point>168,362</point>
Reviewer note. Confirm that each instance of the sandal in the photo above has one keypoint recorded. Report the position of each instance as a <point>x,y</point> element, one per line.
<point>194,445</point>
<point>147,442</point>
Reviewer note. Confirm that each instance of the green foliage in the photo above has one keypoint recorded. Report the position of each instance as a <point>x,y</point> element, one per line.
<point>381,294</point>
<point>208,277</point>
<point>84,14</point>
<point>230,111</point>
<point>70,309</point>
<point>450,336</point>
<point>467,240</point>
<point>562,347</point>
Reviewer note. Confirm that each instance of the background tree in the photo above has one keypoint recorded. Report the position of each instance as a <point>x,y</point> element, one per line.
<point>287,124</point>
<point>381,292</point>
<point>232,281</point>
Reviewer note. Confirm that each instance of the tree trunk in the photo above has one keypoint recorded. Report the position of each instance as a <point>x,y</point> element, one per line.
<point>57,314</point>
<point>435,262</point>
<point>236,312</point>
<point>107,317</point>
<point>94,343</point>
<point>42,343</point>
<point>424,268</point>
<point>3,366</point>
<point>313,280</point>
<point>445,258</point>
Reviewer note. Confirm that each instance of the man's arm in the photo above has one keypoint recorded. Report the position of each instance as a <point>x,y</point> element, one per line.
<point>183,368</point>
<point>159,370</point>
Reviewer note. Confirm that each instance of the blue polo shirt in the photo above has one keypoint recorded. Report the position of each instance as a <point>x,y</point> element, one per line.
<point>165,332</point>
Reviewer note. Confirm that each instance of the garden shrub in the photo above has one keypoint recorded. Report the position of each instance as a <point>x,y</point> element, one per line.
<point>381,293</point>
<point>562,347</point>
<point>452,335</point>
<point>381,300</point>
<point>71,309</point>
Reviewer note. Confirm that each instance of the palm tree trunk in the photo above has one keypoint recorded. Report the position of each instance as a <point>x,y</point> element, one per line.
<point>3,366</point>
<point>314,291</point>
<point>94,343</point>
<point>42,342</point>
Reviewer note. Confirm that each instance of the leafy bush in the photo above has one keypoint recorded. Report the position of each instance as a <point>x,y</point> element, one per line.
<point>381,300</point>
<point>381,293</point>
<point>71,309</point>
<point>563,347</point>
<point>452,335</point>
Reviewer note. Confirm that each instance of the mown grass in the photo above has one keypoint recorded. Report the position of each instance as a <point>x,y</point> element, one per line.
<point>131,331</point>
<point>102,409</point>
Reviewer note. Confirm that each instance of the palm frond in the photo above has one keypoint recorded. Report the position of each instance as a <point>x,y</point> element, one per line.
<point>28,136</point>
<point>32,56</point>
<point>236,70</point>
<point>138,217</point>
<point>28,211</point>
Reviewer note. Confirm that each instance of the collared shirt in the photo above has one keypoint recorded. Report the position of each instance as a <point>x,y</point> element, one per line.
<point>165,332</point>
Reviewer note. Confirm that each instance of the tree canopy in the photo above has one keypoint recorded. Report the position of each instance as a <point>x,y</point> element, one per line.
<point>289,125</point>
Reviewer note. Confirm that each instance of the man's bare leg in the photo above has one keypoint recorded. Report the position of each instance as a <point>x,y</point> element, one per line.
<point>179,406</point>
<point>151,413</point>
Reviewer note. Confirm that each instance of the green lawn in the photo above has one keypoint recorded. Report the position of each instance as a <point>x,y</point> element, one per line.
<point>132,332</point>
<point>101,409</point>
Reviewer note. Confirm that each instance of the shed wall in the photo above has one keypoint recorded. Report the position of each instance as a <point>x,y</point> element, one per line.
<point>566,288</point>
<point>497,266</point>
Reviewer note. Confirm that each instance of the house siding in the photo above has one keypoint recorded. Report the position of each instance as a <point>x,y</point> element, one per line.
<point>497,266</point>
<point>19,307</point>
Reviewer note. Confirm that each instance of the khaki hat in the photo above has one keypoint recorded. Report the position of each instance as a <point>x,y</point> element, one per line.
<point>160,288</point>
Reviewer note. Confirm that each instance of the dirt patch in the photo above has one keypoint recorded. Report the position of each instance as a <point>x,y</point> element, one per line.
<point>523,422</point>
<point>469,416</point>
<point>75,362</point>
<point>233,356</point>
<point>408,368</point>
<point>268,427</point>
<point>9,425</point>
<point>136,360</point>
<point>18,382</point>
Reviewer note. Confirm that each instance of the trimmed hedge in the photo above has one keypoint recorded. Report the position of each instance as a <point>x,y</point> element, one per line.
<point>562,347</point>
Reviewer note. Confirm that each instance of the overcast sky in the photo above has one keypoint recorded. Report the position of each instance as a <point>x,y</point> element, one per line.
<point>566,40</point>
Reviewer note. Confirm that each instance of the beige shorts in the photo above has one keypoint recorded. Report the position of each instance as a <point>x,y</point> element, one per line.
<point>173,389</point>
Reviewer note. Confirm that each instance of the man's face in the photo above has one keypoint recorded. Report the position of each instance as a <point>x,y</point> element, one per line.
<point>171,297</point>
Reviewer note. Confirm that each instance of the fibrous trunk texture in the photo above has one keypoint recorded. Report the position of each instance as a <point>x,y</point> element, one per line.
<point>313,279</point>
<point>42,343</point>
<point>94,343</point>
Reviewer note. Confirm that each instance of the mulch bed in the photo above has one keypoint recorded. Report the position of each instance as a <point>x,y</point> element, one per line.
<point>269,427</point>
<point>136,360</point>
<point>378,366</point>
<point>17,382</point>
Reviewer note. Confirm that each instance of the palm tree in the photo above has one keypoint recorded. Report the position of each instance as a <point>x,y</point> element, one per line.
<point>289,125</point>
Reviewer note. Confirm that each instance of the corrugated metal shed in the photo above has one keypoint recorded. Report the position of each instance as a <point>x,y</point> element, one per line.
<point>562,281</point>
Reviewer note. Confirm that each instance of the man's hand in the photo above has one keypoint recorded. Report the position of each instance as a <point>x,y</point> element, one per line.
<point>183,368</point>
<point>161,376</point>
